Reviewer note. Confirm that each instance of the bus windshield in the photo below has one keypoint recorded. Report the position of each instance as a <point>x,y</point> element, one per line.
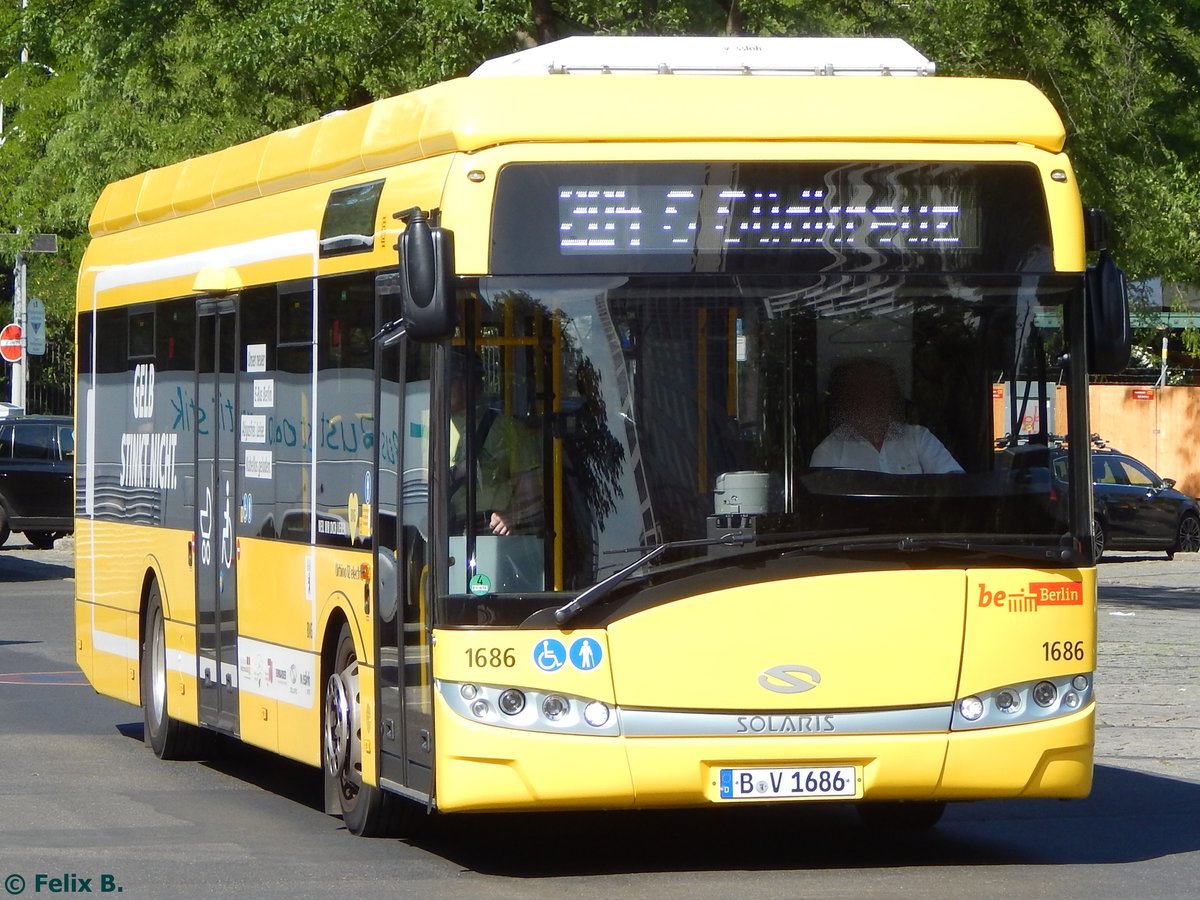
<point>688,406</point>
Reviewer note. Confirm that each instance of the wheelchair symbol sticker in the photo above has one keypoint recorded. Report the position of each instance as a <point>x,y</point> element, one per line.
<point>586,654</point>
<point>549,655</point>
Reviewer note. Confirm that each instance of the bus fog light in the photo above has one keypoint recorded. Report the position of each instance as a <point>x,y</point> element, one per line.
<point>555,707</point>
<point>1070,700</point>
<point>1080,682</point>
<point>596,714</point>
<point>971,708</point>
<point>1008,702</point>
<point>480,708</point>
<point>469,692</point>
<point>511,702</point>
<point>1044,693</point>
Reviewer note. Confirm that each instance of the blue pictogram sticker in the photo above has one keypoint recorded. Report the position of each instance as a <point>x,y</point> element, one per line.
<point>586,653</point>
<point>549,655</point>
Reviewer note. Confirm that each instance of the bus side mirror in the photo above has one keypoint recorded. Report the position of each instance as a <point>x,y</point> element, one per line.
<point>1108,334</point>
<point>426,277</point>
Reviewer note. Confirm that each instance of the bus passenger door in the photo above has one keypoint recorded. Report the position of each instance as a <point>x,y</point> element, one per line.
<point>401,555</point>
<point>216,485</point>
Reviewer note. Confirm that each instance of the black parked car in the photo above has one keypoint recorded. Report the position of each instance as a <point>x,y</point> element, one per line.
<point>37,486</point>
<point>1135,509</point>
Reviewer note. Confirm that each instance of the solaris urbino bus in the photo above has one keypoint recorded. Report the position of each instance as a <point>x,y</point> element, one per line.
<point>465,444</point>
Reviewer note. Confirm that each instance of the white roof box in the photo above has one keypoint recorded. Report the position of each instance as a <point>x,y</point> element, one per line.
<point>612,55</point>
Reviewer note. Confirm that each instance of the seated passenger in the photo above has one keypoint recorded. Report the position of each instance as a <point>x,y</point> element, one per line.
<point>508,460</point>
<point>869,432</point>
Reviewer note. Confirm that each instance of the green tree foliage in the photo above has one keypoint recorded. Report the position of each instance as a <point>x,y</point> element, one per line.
<point>118,86</point>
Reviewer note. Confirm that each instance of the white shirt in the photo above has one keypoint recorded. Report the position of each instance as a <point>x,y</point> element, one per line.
<point>907,450</point>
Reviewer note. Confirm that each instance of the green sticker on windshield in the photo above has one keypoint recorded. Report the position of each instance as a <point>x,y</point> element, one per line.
<point>481,585</point>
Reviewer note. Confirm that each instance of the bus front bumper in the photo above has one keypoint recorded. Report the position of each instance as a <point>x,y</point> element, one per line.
<point>480,767</point>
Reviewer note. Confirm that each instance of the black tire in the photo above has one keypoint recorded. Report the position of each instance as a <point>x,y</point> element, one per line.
<point>366,811</point>
<point>168,738</point>
<point>917,815</point>
<point>4,530</point>
<point>42,540</point>
<point>1187,539</point>
<point>1098,538</point>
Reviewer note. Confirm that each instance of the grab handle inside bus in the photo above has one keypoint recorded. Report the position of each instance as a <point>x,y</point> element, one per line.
<point>426,276</point>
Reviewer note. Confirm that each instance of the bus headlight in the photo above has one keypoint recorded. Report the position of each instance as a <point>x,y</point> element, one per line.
<point>596,714</point>
<point>971,708</point>
<point>555,707</point>
<point>529,709</point>
<point>511,702</point>
<point>1044,693</point>
<point>1018,704</point>
<point>1007,701</point>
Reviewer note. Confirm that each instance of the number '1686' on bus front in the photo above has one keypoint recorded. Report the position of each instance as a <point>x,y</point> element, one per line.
<point>788,782</point>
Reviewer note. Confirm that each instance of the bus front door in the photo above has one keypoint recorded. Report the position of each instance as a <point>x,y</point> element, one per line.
<point>401,541</point>
<point>216,485</point>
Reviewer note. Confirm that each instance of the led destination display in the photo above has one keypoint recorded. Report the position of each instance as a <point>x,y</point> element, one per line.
<point>767,217</point>
<point>712,218</point>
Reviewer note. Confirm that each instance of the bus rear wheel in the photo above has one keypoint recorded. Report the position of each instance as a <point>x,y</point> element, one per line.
<point>168,738</point>
<point>367,811</point>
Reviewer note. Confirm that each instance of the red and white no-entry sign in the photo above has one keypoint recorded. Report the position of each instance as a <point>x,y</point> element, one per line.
<point>10,343</point>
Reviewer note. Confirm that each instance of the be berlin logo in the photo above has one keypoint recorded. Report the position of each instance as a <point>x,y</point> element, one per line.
<point>67,883</point>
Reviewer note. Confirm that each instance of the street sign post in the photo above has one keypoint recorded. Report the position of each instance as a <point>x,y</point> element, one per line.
<point>10,343</point>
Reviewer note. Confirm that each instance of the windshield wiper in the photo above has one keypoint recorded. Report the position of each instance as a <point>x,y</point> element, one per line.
<point>986,545</point>
<point>601,589</point>
<point>1000,545</point>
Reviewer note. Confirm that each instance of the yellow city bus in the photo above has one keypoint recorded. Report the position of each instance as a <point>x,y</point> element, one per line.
<point>473,444</point>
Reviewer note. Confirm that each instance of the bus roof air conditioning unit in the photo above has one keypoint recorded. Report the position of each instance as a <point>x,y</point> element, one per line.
<point>615,55</point>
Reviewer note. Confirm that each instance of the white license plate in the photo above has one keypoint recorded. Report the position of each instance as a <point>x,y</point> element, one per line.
<point>788,782</point>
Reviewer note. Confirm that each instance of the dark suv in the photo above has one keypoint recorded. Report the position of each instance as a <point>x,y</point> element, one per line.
<point>37,486</point>
<point>1135,509</point>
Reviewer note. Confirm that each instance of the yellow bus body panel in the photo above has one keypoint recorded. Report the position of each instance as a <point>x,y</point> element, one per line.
<point>1041,759</point>
<point>882,639</point>
<point>1025,624</point>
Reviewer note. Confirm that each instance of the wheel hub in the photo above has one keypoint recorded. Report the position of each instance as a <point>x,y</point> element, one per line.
<point>338,726</point>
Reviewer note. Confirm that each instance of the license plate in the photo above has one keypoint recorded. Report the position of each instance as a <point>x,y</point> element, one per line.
<point>788,782</point>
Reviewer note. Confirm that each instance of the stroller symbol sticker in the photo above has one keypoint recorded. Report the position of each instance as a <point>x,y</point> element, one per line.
<point>549,655</point>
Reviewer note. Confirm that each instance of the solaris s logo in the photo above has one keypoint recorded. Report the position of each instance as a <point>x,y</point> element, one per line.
<point>789,679</point>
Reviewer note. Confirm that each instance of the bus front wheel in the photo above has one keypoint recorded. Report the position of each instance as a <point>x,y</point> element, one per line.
<point>367,811</point>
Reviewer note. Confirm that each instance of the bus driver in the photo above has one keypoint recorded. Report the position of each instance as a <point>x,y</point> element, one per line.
<point>869,432</point>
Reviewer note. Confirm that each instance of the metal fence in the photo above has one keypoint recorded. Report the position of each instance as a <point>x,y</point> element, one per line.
<point>49,382</point>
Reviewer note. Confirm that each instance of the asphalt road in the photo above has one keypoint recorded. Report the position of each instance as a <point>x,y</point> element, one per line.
<point>82,798</point>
